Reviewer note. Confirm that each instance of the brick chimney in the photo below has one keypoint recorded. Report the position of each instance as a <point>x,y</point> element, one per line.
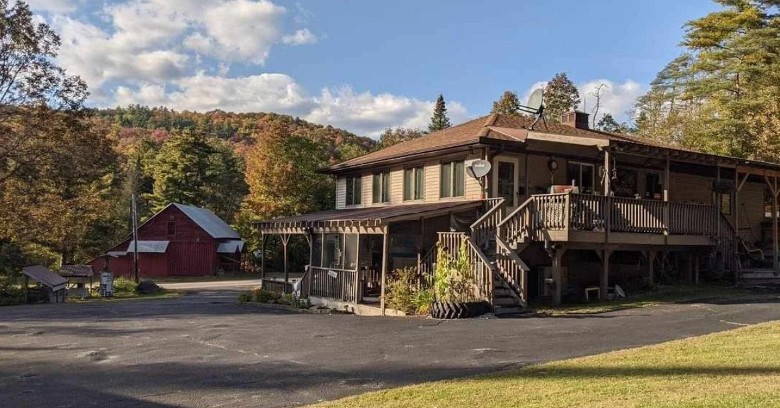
<point>575,119</point>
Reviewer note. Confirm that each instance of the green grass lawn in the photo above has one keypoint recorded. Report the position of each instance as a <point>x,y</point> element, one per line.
<point>661,294</point>
<point>737,368</point>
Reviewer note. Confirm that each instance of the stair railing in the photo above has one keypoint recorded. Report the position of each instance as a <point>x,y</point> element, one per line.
<point>486,226</point>
<point>512,270</point>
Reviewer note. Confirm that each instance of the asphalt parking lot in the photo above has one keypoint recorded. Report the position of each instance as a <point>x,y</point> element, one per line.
<point>206,350</point>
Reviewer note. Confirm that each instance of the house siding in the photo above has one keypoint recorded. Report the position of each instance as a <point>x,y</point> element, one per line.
<point>341,192</point>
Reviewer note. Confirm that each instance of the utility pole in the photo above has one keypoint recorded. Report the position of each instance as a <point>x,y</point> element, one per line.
<point>135,238</point>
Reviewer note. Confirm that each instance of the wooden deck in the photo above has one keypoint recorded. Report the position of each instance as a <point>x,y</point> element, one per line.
<point>591,219</point>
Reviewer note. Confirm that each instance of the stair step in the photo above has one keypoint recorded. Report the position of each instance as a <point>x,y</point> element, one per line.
<point>505,310</point>
<point>504,301</point>
<point>501,292</point>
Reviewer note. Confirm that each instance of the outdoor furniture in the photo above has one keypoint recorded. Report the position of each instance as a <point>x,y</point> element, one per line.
<point>592,289</point>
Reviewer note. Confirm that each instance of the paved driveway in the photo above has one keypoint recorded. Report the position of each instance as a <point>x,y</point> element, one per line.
<point>205,350</point>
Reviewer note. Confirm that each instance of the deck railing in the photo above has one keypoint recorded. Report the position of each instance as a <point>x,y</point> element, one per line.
<point>485,227</point>
<point>583,212</point>
<point>338,284</point>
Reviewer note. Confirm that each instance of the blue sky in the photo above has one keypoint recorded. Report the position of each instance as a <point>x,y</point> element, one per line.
<point>362,65</point>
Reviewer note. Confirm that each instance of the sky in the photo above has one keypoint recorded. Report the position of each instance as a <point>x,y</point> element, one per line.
<point>363,65</point>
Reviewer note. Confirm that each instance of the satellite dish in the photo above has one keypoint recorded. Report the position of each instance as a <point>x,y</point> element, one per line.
<point>479,169</point>
<point>535,106</point>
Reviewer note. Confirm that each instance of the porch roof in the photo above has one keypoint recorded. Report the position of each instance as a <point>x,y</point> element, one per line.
<point>375,218</point>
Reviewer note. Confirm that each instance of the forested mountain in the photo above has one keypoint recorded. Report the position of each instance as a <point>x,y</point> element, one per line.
<point>134,122</point>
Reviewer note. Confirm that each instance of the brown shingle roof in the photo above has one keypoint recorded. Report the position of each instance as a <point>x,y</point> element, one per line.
<point>512,128</point>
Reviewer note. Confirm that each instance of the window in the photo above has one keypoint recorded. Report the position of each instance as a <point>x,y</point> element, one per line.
<point>381,188</point>
<point>414,183</point>
<point>582,176</point>
<point>354,190</point>
<point>452,179</point>
<point>171,227</point>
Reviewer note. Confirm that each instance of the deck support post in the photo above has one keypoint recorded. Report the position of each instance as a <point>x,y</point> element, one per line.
<point>696,270</point>
<point>557,275</point>
<point>650,267</point>
<point>667,181</point>
<point>604,278</point>
<point>285,241</point>
<point>385,250</point>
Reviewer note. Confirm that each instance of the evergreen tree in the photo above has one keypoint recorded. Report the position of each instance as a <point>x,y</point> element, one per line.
<point>609,124</point>
<point>560,96</point>
<point>196,170</point>
<point>508,104</point>
<point>722,95</point>
<point>439,120</point>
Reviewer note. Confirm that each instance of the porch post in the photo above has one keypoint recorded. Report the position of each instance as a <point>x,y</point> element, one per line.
<point>606,172</point>
<point>385,249</point>
<point>773,190</point>
<point>358,286</point>
<point>696,270</point>
<point>285,241</point>
<point>604,281</point>
<point>262,258</point>
<point>667,181</point>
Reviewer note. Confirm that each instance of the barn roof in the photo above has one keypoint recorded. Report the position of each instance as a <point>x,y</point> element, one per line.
<point>210,222</point>
<point>150,247</point>
<point>231,247</point>
<point>45,277</point>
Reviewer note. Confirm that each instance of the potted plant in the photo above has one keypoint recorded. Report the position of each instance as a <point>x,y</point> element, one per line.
<point>453,287</point>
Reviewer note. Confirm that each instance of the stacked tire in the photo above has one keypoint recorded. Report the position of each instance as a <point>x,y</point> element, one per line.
<point>458,310</point>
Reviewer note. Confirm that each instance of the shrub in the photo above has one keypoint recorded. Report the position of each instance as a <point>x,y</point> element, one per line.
<point>124,286</point>
<point>245,297</point>
<point>264,296</point>
<point>404,293</point>
<point>453,279</point>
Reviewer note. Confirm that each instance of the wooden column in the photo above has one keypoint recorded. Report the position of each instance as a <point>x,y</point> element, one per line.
<point>557,275</point>
<point>650,268</point>
<point>773,189</point>
<point>262,259</point>
<point>606,173</point>
<point>667,182</point>
<point>604,278</point>
<point>385,250</point>
<point>285,240</point>
<point>358,286</point>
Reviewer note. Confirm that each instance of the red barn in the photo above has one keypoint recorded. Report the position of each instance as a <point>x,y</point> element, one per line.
<point>180,240</point>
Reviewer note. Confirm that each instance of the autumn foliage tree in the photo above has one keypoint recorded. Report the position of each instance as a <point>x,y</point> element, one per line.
<point>560,96</point>
<point>508,104</point>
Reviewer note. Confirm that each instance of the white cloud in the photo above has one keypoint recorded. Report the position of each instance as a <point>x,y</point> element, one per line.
<point>54,6</point>
<point>616,98</point>
<point>178,53</point>
<point>300,37</point>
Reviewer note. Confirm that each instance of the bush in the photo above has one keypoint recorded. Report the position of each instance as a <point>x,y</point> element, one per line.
<point>264,296</point>
<point>404,293</point>
<point>11,296</point>
<point>124,286</point>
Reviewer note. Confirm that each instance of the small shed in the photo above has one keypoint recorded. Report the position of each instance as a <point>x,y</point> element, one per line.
<point>51,285</point>
<point>79,279</point>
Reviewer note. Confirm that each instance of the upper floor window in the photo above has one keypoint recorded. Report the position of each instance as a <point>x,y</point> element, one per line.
<point>581,175</point>
<point>414,183</point>
<point>381,188</point>
<point>452,179</point>
<point>354,190</point>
